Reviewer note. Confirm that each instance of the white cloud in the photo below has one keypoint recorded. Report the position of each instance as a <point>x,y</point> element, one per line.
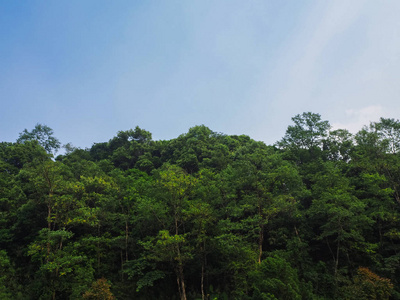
<point>357,118</point>
<point>344,64</point>
<point>301,64</point>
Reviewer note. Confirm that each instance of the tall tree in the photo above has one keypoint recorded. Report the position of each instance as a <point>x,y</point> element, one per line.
<point>307,132</point>
<point>44,135</point>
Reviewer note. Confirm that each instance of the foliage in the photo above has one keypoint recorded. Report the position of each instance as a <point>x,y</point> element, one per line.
<point>368,285</point>
<point>275,279</point>
<point>203,216</point>
<point>100,290</point>
<point>44,135</point>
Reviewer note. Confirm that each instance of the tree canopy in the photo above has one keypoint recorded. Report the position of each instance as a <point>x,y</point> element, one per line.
<point>203,216</point>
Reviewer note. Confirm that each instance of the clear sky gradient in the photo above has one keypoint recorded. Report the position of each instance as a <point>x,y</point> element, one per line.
<point>89,69</point>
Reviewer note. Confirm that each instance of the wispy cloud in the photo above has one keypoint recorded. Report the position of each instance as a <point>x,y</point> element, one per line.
<point>357,118</point>
<point>344,63</point>
<point>237,67</point>
<point>302,62</point>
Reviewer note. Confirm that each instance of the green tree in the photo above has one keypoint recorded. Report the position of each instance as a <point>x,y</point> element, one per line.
<point>100,290</point>
<point>170,245</point>
<point>308,132</point>
<point>338,145</point>
<point>6,275</point>
<point>63,269</point>
<point>44,135</point>
<point>389,133</point>
<point>340,217</point>
<point>274,279</point>
<point>368,285</point>
<point>128,146</point>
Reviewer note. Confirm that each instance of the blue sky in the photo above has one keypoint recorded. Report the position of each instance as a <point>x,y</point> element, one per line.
<point>88,68</point>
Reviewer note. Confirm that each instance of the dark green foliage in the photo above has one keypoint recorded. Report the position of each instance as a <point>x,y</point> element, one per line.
<point>203,216</point>
<point>274,278</point>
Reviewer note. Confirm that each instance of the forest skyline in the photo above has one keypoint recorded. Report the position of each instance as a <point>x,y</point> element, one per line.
<point>203,216</point>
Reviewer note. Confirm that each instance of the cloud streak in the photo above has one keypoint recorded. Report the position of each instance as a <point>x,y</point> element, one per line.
<point>90,70</point>
<point>344,63</point>
<point>358,118</point>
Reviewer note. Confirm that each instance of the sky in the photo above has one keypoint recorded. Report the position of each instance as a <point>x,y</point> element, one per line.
<point>89,69</point>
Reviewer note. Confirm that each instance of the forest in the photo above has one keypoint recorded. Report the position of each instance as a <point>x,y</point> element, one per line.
<point>203,216</point>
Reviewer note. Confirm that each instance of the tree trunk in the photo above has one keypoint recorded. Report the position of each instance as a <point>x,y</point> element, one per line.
<point>126,239</point>
<point>49,228</point>
<point>179,286</point>
<point>49,215</point>
<point>337,258</point>
<point>98,247</point>
<point>297,233</point>
<point>122,265</point>
<point>261,234</point>
<point>202,271</point>
<point>182,281</point>
<point>202,281</point>
<point>260,243</point>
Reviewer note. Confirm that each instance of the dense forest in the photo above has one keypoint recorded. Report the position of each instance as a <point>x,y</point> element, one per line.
<point>203,216</point>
